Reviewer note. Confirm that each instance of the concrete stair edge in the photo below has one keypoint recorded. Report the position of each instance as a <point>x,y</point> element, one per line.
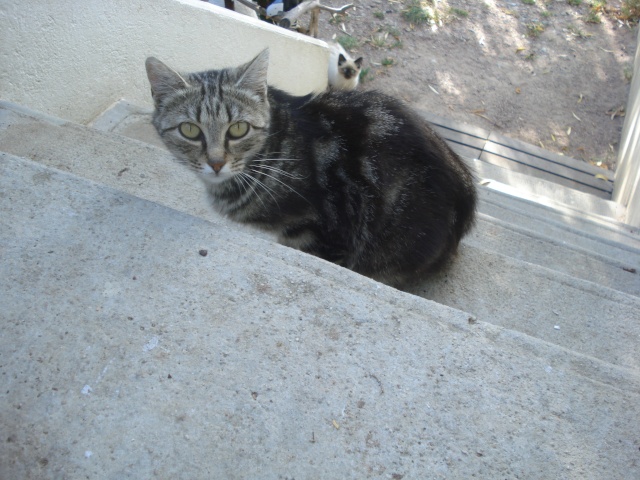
<point>624,236</point>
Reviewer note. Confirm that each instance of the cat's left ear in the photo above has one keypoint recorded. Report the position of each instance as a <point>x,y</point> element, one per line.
<point>253,75</point>
<point>358,62</point>
<point>164,80</point>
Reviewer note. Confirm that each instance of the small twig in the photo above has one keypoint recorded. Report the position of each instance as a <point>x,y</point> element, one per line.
<point>256,8</point>
<point>292,15</point>
<point>486,118</point>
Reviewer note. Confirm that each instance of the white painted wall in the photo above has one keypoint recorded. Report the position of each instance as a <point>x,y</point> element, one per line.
<point>626,187</point>
<point>73,58</point>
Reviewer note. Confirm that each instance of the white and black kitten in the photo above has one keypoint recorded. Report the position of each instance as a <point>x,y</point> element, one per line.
<point>344,71</point>
<point>352,177</point>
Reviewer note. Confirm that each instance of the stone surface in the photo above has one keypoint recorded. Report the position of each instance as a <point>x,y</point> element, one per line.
<point>128,353</point>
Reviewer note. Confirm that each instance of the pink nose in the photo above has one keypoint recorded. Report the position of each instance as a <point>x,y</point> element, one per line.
<point>217,166</point>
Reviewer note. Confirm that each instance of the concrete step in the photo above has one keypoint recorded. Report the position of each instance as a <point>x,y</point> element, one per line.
<point>600,234</point>
<point>545,192</point>
<point>576,314</point>
<point>616,268</point>
<point>129,120</point>
<point>518,157</point>
<point>126,353</point>
<point>151,173</point>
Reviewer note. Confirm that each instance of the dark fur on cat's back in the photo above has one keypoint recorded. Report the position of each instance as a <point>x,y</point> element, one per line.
<point>353,177</point>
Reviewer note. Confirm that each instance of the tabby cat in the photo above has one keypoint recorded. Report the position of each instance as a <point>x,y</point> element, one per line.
<point>352,177</point>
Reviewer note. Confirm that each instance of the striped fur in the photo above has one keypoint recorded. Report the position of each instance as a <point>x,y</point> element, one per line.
<point>353,177</point>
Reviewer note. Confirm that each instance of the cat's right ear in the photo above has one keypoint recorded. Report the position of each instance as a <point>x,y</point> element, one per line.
<point>164,80</point>
<point>253,75</point>
<point>341,60</point>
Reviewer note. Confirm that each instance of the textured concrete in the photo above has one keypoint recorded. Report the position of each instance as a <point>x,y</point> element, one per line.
<point>499,268</point>
<point>536,189</point>
<point>576,314</point>
<point>599,234</point>
<point>125,353</point>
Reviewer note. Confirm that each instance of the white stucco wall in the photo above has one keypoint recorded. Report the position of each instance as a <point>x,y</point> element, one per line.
<point>73,58</point>
<point>626,188</point>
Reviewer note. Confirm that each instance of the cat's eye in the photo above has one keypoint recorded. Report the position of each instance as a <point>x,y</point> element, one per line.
<point>190,130</point>
<point>238,130</point>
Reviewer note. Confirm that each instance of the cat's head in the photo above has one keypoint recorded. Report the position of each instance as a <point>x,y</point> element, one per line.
<point>213,121</point>
<point>349,68</point>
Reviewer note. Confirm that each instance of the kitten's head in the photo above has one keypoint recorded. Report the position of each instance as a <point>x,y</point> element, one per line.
<point>349,68</point>
<point>213,121</point>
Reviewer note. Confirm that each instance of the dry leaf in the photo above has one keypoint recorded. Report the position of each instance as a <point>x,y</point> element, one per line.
<point>619,112</point>
<point>568,131</point>
<point>541,144</point>
<point>518,90</point>
<point>433,89</point>
<point>580,98</point>
<point>576,116</point>
<point>601,177</point>
<point>520,49</point>
<point>336,425</point>
<point>553,137</point>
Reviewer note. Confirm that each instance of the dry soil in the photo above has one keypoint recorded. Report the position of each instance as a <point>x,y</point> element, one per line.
<point>539,71</point>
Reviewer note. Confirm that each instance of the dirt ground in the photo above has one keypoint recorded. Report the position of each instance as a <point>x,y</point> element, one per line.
<point>535,70</point>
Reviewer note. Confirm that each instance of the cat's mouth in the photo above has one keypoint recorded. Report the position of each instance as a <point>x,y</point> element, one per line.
<point>216,171</point>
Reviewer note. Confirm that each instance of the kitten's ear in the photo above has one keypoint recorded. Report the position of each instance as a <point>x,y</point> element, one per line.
<point>341,59</point>
<point>253,75</point>
<point>163,79</point>
<point>358,62</point>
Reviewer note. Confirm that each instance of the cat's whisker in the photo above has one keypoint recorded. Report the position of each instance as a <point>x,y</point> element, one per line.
<point>276,160</point>
<point>242,178</point>
<point>261,184</point>
<point>284,173</point>
<point>281,182</point>
<point>274,134</point>
<point>271,155</point>
<point>241,182</point>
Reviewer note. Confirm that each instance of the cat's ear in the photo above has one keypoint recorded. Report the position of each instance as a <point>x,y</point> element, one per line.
<point>341,59</point>
<point>358,62</point>
<point>253,75</point>
<point>164,80</point>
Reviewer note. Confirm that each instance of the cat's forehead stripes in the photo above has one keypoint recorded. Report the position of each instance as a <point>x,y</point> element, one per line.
<point>221,100</point>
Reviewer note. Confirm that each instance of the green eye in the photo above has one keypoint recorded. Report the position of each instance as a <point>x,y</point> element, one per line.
<point>190,130</point>
<point>238,130</point>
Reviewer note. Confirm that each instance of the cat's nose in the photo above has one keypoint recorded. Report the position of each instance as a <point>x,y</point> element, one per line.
<point>217,166</point>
